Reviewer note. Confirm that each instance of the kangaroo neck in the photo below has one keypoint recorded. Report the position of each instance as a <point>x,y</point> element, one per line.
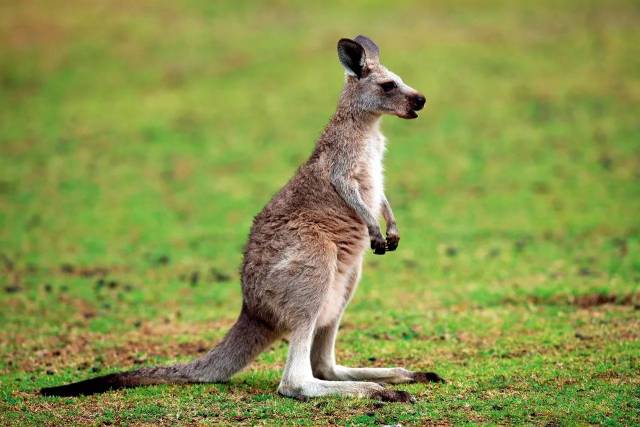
<point>350,115</point>
<point>349,124</point>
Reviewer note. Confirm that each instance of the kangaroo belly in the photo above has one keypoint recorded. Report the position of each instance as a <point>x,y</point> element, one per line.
<point>339,292</point>
<point>334,301</point>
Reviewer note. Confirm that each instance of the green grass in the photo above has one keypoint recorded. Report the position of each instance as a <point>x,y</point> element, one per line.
<point>138,139</point>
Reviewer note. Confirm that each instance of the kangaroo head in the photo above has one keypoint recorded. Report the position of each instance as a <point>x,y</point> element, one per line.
<point>370,86</point>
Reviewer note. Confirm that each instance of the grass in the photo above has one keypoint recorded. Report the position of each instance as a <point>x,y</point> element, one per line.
<point>138,139</point>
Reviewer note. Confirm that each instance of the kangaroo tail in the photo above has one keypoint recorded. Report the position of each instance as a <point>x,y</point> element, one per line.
<point>247,338</point>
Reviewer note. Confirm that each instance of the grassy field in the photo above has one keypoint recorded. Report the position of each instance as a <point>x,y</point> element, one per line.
<point>138,139</point>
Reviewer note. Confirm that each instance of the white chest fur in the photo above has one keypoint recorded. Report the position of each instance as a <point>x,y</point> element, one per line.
<point>374,154</point>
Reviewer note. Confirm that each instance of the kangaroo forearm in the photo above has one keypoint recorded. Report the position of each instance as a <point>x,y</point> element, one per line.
<point>393,236</point>
<point>350,194</point>
<point>387,213</point>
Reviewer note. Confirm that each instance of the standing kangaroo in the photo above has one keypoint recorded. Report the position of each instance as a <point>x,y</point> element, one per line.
<point>303,260</point>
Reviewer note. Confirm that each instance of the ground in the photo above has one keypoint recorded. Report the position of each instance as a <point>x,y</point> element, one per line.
<point>139,139</point>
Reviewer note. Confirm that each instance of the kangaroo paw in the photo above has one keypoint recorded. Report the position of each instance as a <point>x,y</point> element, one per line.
<point>427,377</point>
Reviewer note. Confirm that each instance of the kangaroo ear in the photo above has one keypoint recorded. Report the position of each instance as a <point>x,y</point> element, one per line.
<point>372,49</point>
<point>352,57</point>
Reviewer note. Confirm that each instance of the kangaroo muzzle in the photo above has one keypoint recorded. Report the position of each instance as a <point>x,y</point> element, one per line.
<point>414,103</point>
<point>417,103</point>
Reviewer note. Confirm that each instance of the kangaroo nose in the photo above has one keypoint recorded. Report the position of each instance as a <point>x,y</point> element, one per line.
<point>418,102</point>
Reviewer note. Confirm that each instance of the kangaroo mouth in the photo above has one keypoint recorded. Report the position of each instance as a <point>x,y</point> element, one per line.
<point>410,114</point>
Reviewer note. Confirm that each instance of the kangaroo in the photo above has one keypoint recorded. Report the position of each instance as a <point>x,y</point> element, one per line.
<point>303,260</point>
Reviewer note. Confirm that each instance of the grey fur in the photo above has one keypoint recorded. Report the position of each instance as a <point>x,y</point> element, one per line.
<point>303,259</point>
<point>372,49</point>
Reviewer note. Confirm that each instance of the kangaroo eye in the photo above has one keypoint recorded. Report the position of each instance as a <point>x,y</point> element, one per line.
<point>388,86</point>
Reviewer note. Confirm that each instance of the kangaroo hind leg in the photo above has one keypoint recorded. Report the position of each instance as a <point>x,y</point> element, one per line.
<point>308,283</point>
<point>324,360</point>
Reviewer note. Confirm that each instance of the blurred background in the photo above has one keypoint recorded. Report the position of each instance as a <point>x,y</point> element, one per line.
<point>138,140</point>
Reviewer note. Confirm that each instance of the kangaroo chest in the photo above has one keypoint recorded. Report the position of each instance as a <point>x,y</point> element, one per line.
<point>369,173</point>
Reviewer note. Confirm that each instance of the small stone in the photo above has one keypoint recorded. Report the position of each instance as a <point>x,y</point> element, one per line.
<point>194,278</point>
<point>219,276</point>
<point>451,251</point>
<point>585,271</point>
<point>581,336</point>
<point>12,289</point>
<point>67,268</point>
<point>519,245</point>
